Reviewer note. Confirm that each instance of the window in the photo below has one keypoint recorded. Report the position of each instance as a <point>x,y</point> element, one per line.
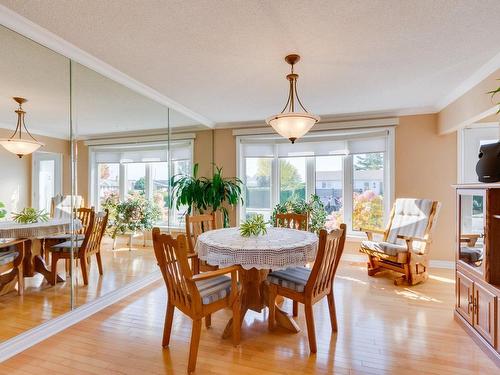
<point>351,174</point>
<point>470,140</point>
<point>142,169</point>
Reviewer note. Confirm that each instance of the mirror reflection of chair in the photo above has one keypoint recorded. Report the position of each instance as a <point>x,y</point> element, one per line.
<point>83,249</point>
<point>197,296</point>
<point>291,220</point>
<point>11,264</point>
<point>195,226</point>
<point>405,242</point>
<point>83,214</point>
<point>309,286</point>
<point>62,205</point>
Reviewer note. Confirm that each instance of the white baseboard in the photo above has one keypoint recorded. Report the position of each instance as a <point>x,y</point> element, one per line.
<point>29,338</point>
<point>358,258</point>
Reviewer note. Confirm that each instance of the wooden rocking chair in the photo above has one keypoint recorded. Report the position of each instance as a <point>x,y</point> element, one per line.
<point>404,247</point>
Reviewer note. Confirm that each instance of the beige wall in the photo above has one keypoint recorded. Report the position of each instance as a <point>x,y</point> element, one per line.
<point>15,186</point>
<point>203,155</point>
<point>82,176</point>
<point>471,107</point>
<point>426,167</point>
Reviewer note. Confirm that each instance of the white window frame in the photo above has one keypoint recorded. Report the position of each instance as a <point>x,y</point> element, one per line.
<point>94,181</point>
<point>462,144</point>
<point>347,188</point>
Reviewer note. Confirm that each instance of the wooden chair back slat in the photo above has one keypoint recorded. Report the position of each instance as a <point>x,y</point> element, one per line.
<point>196,225</point>
<point>94,233</point>
<point>84,214</point>
<point>171,255</point>
<point>330,250</point>
<point>291,220</point>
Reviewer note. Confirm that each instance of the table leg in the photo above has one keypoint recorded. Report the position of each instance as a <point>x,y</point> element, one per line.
<point>33,261</point>
<point>254,297</point>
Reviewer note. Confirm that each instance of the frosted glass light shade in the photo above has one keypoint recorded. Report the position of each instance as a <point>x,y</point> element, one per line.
<point>20,147</point>
<point>292,125</point>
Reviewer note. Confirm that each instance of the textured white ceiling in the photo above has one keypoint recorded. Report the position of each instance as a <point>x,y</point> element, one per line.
<point>100,105</point>
<point>224,59</point>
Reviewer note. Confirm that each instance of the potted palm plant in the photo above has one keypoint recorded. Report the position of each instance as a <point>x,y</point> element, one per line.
<point>201,194</point>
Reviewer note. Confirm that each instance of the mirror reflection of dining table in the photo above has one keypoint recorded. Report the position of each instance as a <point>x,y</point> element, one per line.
<point>32,234</point>
<point>279,248</point>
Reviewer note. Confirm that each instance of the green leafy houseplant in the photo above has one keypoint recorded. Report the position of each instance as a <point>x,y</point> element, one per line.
<point>315,208</point>
<point>493,93</point>
<point>254,226</point>
<point>3,211</point>
<point>132,215</point>
<point>29,216</point>
<point>201,194</point>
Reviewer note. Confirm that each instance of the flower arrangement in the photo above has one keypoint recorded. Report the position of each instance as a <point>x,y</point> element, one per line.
<point>254,226</point>
<point>132,215</point>
<point>29,216</point>
<point>315,208</point>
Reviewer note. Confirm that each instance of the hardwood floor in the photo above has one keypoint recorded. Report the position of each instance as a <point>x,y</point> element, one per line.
<point>42,302</point>
<point>383,329</point>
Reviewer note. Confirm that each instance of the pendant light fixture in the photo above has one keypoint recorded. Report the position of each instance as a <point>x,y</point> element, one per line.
<point>18,143</point>
<point>288,123</point>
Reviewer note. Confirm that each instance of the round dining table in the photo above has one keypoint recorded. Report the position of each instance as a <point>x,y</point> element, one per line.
<point>278,248</point>
<point>33,235</point>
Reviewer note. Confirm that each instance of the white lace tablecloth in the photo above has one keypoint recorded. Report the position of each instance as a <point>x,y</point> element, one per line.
<point>11,229</point>
<point>278,249</point>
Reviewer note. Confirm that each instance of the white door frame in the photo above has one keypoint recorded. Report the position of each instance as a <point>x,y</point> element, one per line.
<point>35,169</point>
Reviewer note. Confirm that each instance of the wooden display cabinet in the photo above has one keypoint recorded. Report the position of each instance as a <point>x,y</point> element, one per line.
<point>478,264</point>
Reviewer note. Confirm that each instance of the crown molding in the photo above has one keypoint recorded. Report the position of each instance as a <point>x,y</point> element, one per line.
<point>483,72</point>
<point>44,37</point>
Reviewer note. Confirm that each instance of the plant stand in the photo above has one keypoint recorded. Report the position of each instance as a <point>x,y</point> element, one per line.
<point>131,236</point>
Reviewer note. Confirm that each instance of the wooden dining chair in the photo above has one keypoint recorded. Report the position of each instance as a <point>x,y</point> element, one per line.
<point>195,226</point>
<point>197,296</point>
<point>83,214</point>
<point>309,286</point>
<point>84,249</point>
<point>291,220</point>
<point>11,259</point>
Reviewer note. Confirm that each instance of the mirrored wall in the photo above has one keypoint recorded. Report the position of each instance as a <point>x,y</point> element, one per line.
<point>76,214</point>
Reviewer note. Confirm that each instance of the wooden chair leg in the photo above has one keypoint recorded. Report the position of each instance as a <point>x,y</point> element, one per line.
<point>195,342</point>
<point>99,263</point>
<point>236,320</point>
<point>311,332</point>
<point>272,291</point>
<point>53,269</point>
<point>333,313</point>
<point>20,280</point>
<point>85,271</point>
<point>167,328</point>
<point>208,321</point>
<point>295,308</point>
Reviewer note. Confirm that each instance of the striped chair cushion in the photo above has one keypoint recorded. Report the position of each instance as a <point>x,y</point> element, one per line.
<point>292,278</point>
<point>384,247</point>
<point>66,246</point>
<point>214,289</point>
<point>7,257</point>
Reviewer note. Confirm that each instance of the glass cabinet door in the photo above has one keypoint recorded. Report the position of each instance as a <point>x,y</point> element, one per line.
<point>472,206</point>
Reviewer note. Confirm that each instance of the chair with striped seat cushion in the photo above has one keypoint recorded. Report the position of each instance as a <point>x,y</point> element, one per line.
<point>11,264</point>
<point>214,289</point>
<point>197,296</point>
<point>91,245</point>
<point>308,286</point>
<point>404,245</point>
<point>8,256</point>
<point>292,278</point>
